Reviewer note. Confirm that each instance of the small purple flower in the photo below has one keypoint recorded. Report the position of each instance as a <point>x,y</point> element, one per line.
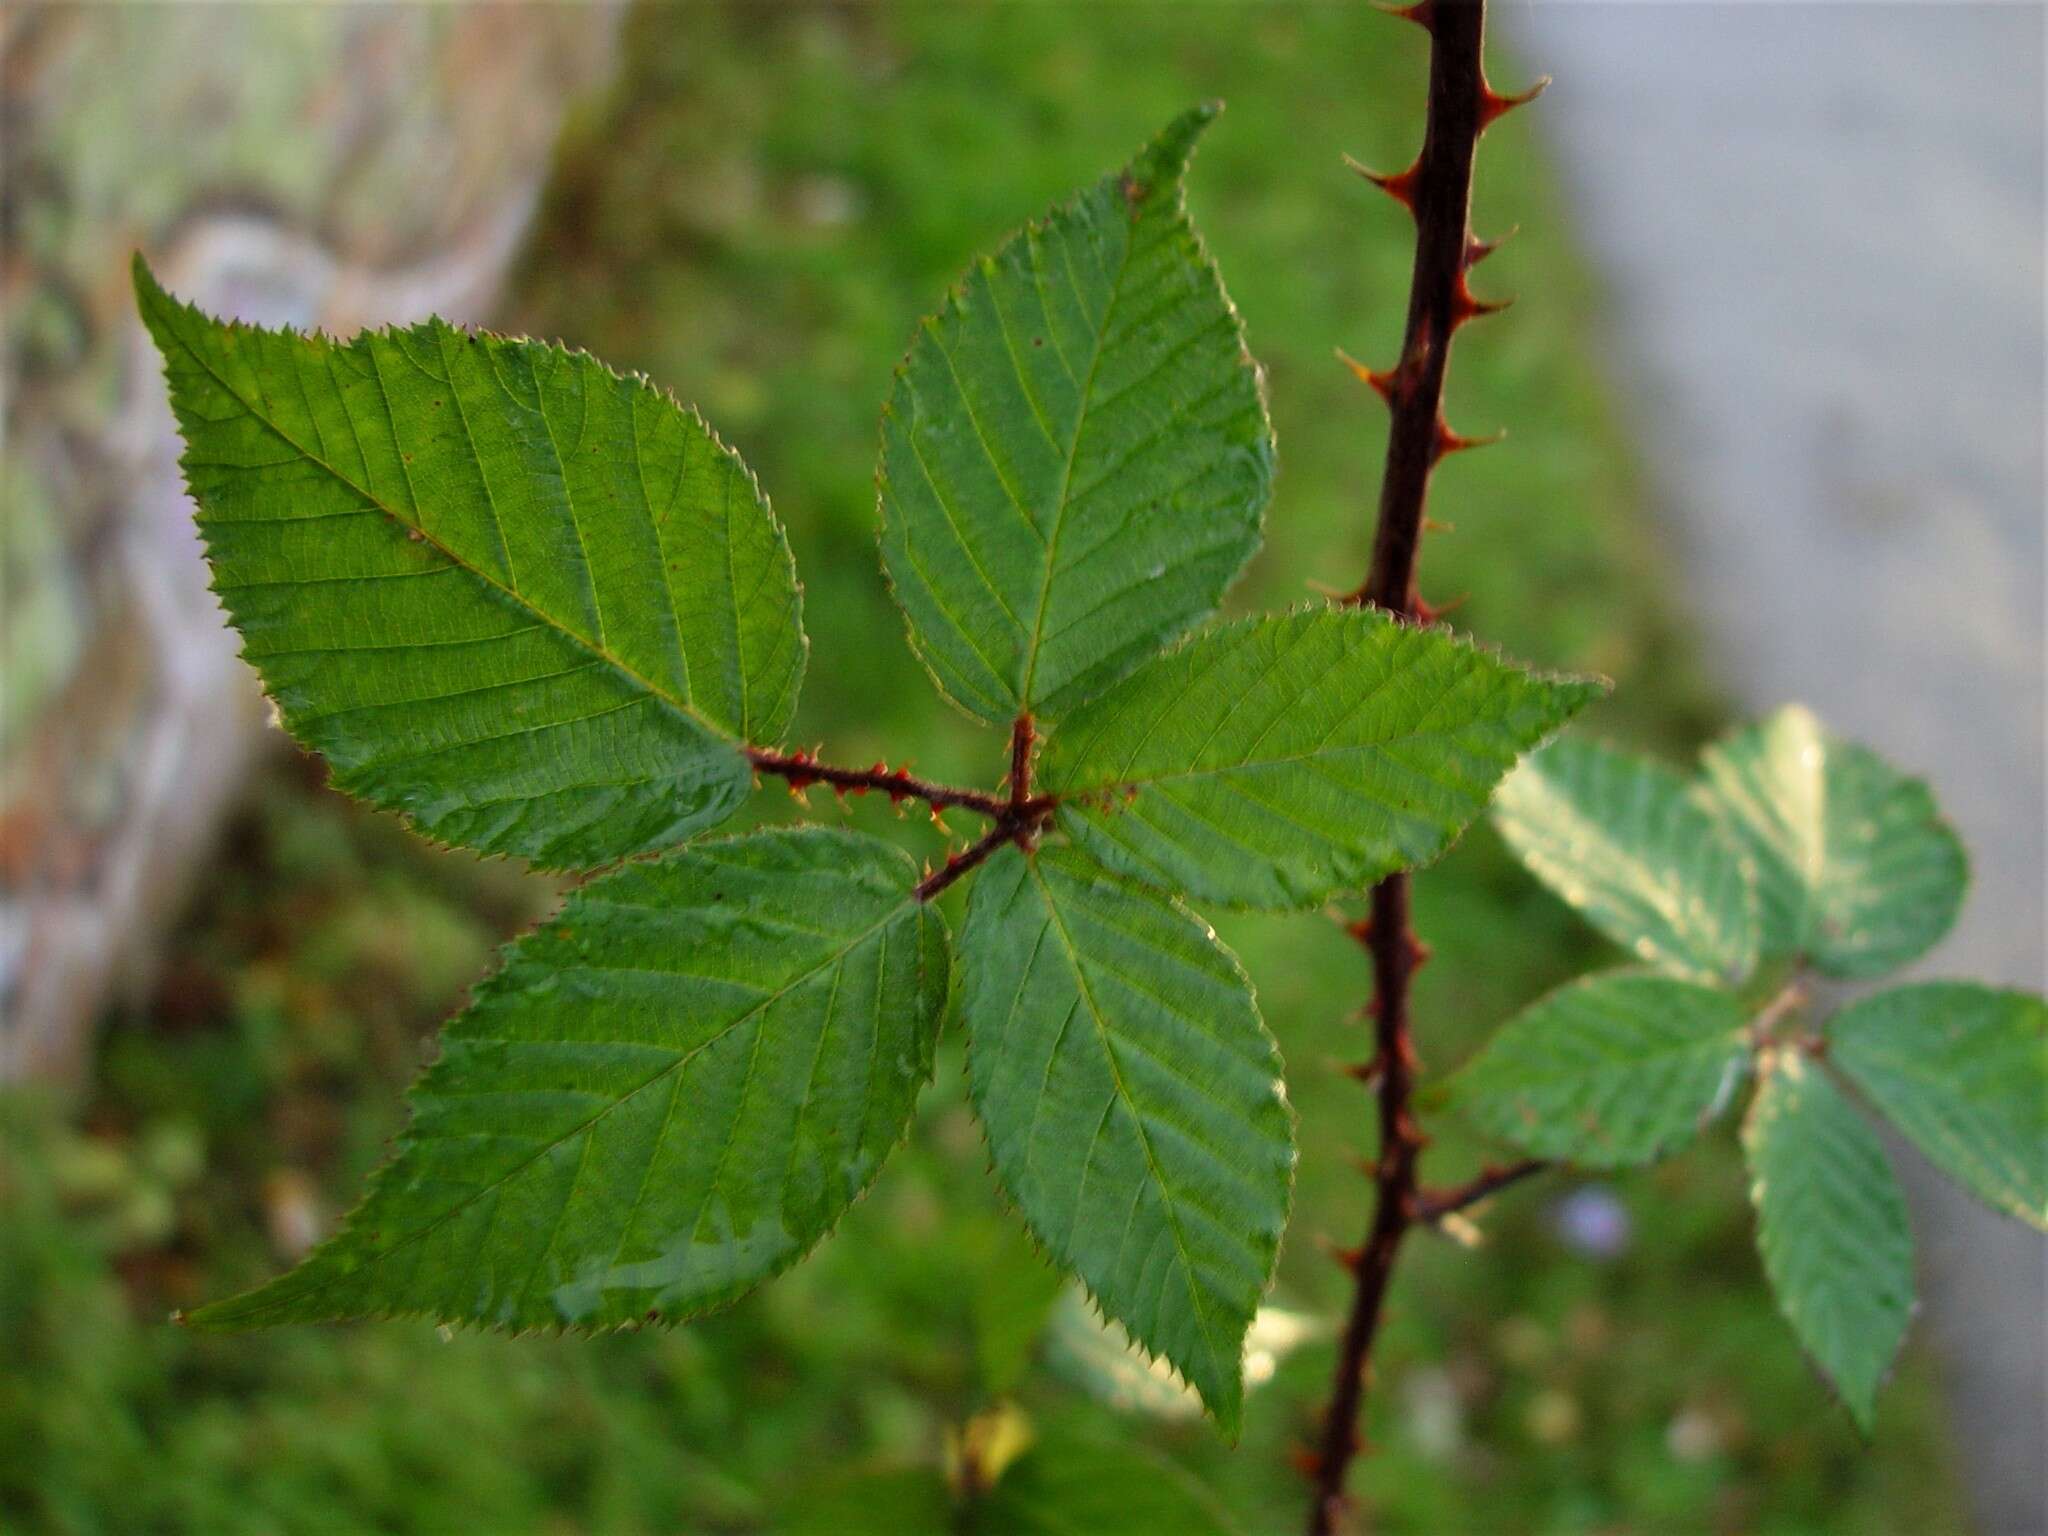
<point>1592,1222</point>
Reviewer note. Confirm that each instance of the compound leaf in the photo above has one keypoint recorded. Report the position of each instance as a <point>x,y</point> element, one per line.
<point>1627,843</point>
<point>1075,456</point>
<point>1608,1070</point>
<point>1963,1071</point>
<point>1133,1104</point>
<point>1831,1224</point>
<point>531,604</point>
<point>1276,760</point>
<point>1855,867</point>
<point>664,1096</point>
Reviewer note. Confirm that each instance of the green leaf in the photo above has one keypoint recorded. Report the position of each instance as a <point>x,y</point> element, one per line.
<point>1075,456</point>
<point>1627,843</point>
<point>530,604</point>
<point>1067,1485</point>
<point>666,1095</point>
<point>1096,1355</point>
<point>1963,1071</point>
<point>1855,867</point>
<point>1133,1104</point>
<point>1274,761</point>
<point>1831,1224</point>
<point>871,1501</point>
<point>1607,1071</point>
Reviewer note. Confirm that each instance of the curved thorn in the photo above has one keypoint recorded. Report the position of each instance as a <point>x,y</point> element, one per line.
<point>1422,13</point>
<point>1493,106</point>
<point>1383,383</point>
<point>1399,185</point>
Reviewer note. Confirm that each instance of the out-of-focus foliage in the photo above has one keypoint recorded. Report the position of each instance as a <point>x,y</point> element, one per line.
<point>1796,845</point>
<point>758,216</point>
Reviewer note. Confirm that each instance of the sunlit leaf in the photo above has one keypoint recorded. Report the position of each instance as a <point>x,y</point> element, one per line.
<point>531,604</point>
<point>1133,1104</point>
<point>1277,760</point>
<point>1855,867</point>
<point>1963,1071</point>
<point>667,1094</point>
<point>1626,842</point>
<point>1075,456</point>
<point>1608,1070</point>
<point>1831,1225</point>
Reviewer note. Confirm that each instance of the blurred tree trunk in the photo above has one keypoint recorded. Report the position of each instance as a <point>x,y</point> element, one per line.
<point>328,166</point>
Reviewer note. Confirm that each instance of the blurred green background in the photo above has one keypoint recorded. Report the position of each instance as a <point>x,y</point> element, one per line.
<point>756,214</point>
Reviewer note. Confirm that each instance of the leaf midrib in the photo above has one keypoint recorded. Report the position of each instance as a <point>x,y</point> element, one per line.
<point>512,594</point>
<point>766,1001</point>
<point>1060,504</point>
<point>1123,1095</point>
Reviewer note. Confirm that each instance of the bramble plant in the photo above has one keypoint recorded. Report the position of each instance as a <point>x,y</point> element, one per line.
<point>541,610</point>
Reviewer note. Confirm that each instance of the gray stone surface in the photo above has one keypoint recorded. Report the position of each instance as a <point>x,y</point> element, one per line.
<point>311,165</point>
<point>1821,227</point>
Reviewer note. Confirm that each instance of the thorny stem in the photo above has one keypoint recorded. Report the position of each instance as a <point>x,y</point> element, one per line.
<point>1433,1205</point>
<point>802,771</point>
<point>1017,817</point>
<point>1437,190</point>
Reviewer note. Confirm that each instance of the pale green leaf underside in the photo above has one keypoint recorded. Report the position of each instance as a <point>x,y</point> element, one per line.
<point>666,1095</point>
<point>1831,1224</point>
<point>1075,456</point>
<point>1855,867</point>
<point>1133,1104</point>
<point>1626,843</point>
<point>1963,1071</point>
<point>531,604</point>
<point>1276,760</point>
<point>1607,1071</point>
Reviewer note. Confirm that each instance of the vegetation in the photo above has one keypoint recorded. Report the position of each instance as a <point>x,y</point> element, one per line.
<point>890,1340</point>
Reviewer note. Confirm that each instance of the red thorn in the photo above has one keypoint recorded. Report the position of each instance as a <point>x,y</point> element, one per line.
<point>1419,952</point>
<point>1400,185</point>
<point>900,776</point>
<point>1361,930</point>
<point>1405,1049</point>
<point>1493,106</point>
<point>1383,384</point>
<point>1448,442</point>
<point>1349,1258</point>
<point>1306,1462</point>
<point>1464,307</point>
<point>1408,1132</point>
<point>1422,13</point>
<point>1477,250</point>
<point>1367,1072</point>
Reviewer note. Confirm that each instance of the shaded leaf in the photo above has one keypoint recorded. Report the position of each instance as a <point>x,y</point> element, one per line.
<point>1067,1485</point>
<point>1627,843</point>
<point>664,1096</point>
<point>1075,456</point>
<point>1963,1071</point>
<point>1855,867</point>
<point>530,604</point>
<point>1831,1225</point>
<point>1608,1070</point>
<point>1133,1104</point>
<point>872,1501</point>
<point>1098,1357</point>
<point>1274,761</point>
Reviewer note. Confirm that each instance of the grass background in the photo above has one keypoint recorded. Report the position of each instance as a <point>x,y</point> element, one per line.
<point>756,215</point>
